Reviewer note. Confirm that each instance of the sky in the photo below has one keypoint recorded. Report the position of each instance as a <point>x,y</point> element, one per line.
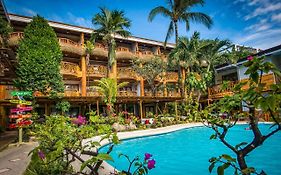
<point>255,23</point>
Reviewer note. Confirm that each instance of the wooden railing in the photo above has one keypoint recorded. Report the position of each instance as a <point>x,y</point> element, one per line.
<point>67,45</point>
<point>100,50</point>
<point>123,93</point>
<point>5,91</point>
<point>124,53</point>
<point>126,73</point>
<point>97,71</point>
<point>145,55</point>
<point>171,76</point>
<point>72,93</point>
<point>14,39</point>
<point>69,68</point>
<point>219,91</point>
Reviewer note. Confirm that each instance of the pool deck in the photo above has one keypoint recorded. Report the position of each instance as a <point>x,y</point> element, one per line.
<point>107,169</point>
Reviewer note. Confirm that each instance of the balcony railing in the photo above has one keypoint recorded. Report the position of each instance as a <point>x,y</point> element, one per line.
<point>100,50</point>
<point>67,45</point>
<point>219,91</point>
<point>5,91</point>
<point>123,93</point>
<point>72,93</point>
<point>97,71</point>
<point>72,69</point>
<point>126,73</point>
<point>145,55</point>
<point>171,76</point>
<point>123,53</point>
<point>14,39</point>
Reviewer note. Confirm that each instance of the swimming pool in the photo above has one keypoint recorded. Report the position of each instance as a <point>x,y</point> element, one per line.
<point>188,151</point>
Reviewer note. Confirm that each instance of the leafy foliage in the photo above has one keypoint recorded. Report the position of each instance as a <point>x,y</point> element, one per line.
<point>110,24</point>
<point>39,57</point>
<point>252,98</point>
<point>5,30</point>
<point>151,70</point>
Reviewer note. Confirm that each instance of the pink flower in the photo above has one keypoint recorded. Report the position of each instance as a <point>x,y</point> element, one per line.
<point>147,156</point>
<point>125,112</point>
<point>250,58</point>
<point>80,120</point>
<point>41,154</point>
<point>151,164</point>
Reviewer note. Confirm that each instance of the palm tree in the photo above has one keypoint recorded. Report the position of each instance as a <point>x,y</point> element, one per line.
<point>108,88</point>
<point>110,24</point>
<point>179,11</point>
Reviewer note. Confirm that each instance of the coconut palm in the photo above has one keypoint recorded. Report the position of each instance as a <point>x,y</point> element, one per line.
<point>108,88</point>
<point>179,11</point>
<point>109,25</point>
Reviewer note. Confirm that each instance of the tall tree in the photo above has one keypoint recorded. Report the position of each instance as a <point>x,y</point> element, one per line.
<point>179,11</point>
<point>39,56</point>
<point>151,70</point>
<point>110,24</point>
<point>5,30</point>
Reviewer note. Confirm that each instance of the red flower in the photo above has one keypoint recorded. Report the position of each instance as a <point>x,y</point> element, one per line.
<point>151,164</point>
<point>250,58</point>
<point>147,156</point>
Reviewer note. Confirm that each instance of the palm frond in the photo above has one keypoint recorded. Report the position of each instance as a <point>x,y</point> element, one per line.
<point>170,32</point>
<point>198,17</point>
<point>159,10</point>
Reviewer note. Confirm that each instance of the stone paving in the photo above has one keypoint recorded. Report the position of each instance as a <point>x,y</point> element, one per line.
<point>15,159</point>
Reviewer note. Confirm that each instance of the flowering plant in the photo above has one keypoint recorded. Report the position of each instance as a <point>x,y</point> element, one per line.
<point>141,167</point>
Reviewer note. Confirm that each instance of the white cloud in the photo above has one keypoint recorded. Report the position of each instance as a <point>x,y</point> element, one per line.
<point>263,39</point>
<point>262,25</point>
<point>276,17</point>
<point>80,21</point>
<point>28,12</point>
<point>264,9</point>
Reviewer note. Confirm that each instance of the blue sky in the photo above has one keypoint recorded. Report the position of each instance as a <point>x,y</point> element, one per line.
<point>255,23</point>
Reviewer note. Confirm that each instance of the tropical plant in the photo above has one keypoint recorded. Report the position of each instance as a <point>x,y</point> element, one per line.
<point>110,24</point>
<point>252,98</point>
<point>108,88</point>
<point>5,30</point>
<point>151,70</point>
<point>179,11</point>
<point>60,144</point>
<point>89,47</point>
<point>39,58</point>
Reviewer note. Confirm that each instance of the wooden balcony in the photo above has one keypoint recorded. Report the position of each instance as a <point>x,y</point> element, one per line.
<point>72,93</point>
<point>218,91</point>
<point>171,77</point>
<point>5,91</point>
<point>93,94</point>
<point>173,94</point>
<point>97,71</point>
<point>100,51</point>
<point>146,55</point>
<point>69,46</point>
<point>126,73</point>
<point>70,69</point>
<point>127,93</point>
<point>123,53</point>
<point>14,39</point>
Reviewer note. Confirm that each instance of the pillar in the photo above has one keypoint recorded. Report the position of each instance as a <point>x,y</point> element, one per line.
<point>141,110</point>
<point>83,78</point>
<point>46,109</point>
<point>141,87</point>
<point>176,109</point>
<point>98,108</point>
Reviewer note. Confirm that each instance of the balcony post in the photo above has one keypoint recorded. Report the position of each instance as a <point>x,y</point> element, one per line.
<point>98,108</point>
<point>83,79</point>
<point>141,111</point>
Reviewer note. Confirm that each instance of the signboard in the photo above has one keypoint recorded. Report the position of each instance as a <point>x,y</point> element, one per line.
<point>21,102</point>
<point>21,93</point>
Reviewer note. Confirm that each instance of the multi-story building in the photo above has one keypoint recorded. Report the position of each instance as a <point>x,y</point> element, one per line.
<point>236,73</point>
<point>135,97</point>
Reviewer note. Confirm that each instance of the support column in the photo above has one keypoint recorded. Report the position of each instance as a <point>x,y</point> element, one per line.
<point>46,109</point>
<point>83,79</point>
<point>98,108</point>
<point>141,111</point>
<point>176,109</point>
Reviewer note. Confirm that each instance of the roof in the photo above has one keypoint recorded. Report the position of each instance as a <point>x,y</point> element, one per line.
<point>55,24</point>
<point>268,51</point>
<point>3,11</point>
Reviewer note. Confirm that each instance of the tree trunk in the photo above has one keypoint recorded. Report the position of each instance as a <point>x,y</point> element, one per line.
<point>241,161</point>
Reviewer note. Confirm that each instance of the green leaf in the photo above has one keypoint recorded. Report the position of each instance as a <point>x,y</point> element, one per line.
<point>228,158</point>
<point>213,136</point>
<point>103,156</point>
<point>220,170</point>
<point>211,167</point>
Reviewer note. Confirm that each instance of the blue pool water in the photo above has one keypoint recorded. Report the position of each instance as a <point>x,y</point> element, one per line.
<point>188,151</point>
